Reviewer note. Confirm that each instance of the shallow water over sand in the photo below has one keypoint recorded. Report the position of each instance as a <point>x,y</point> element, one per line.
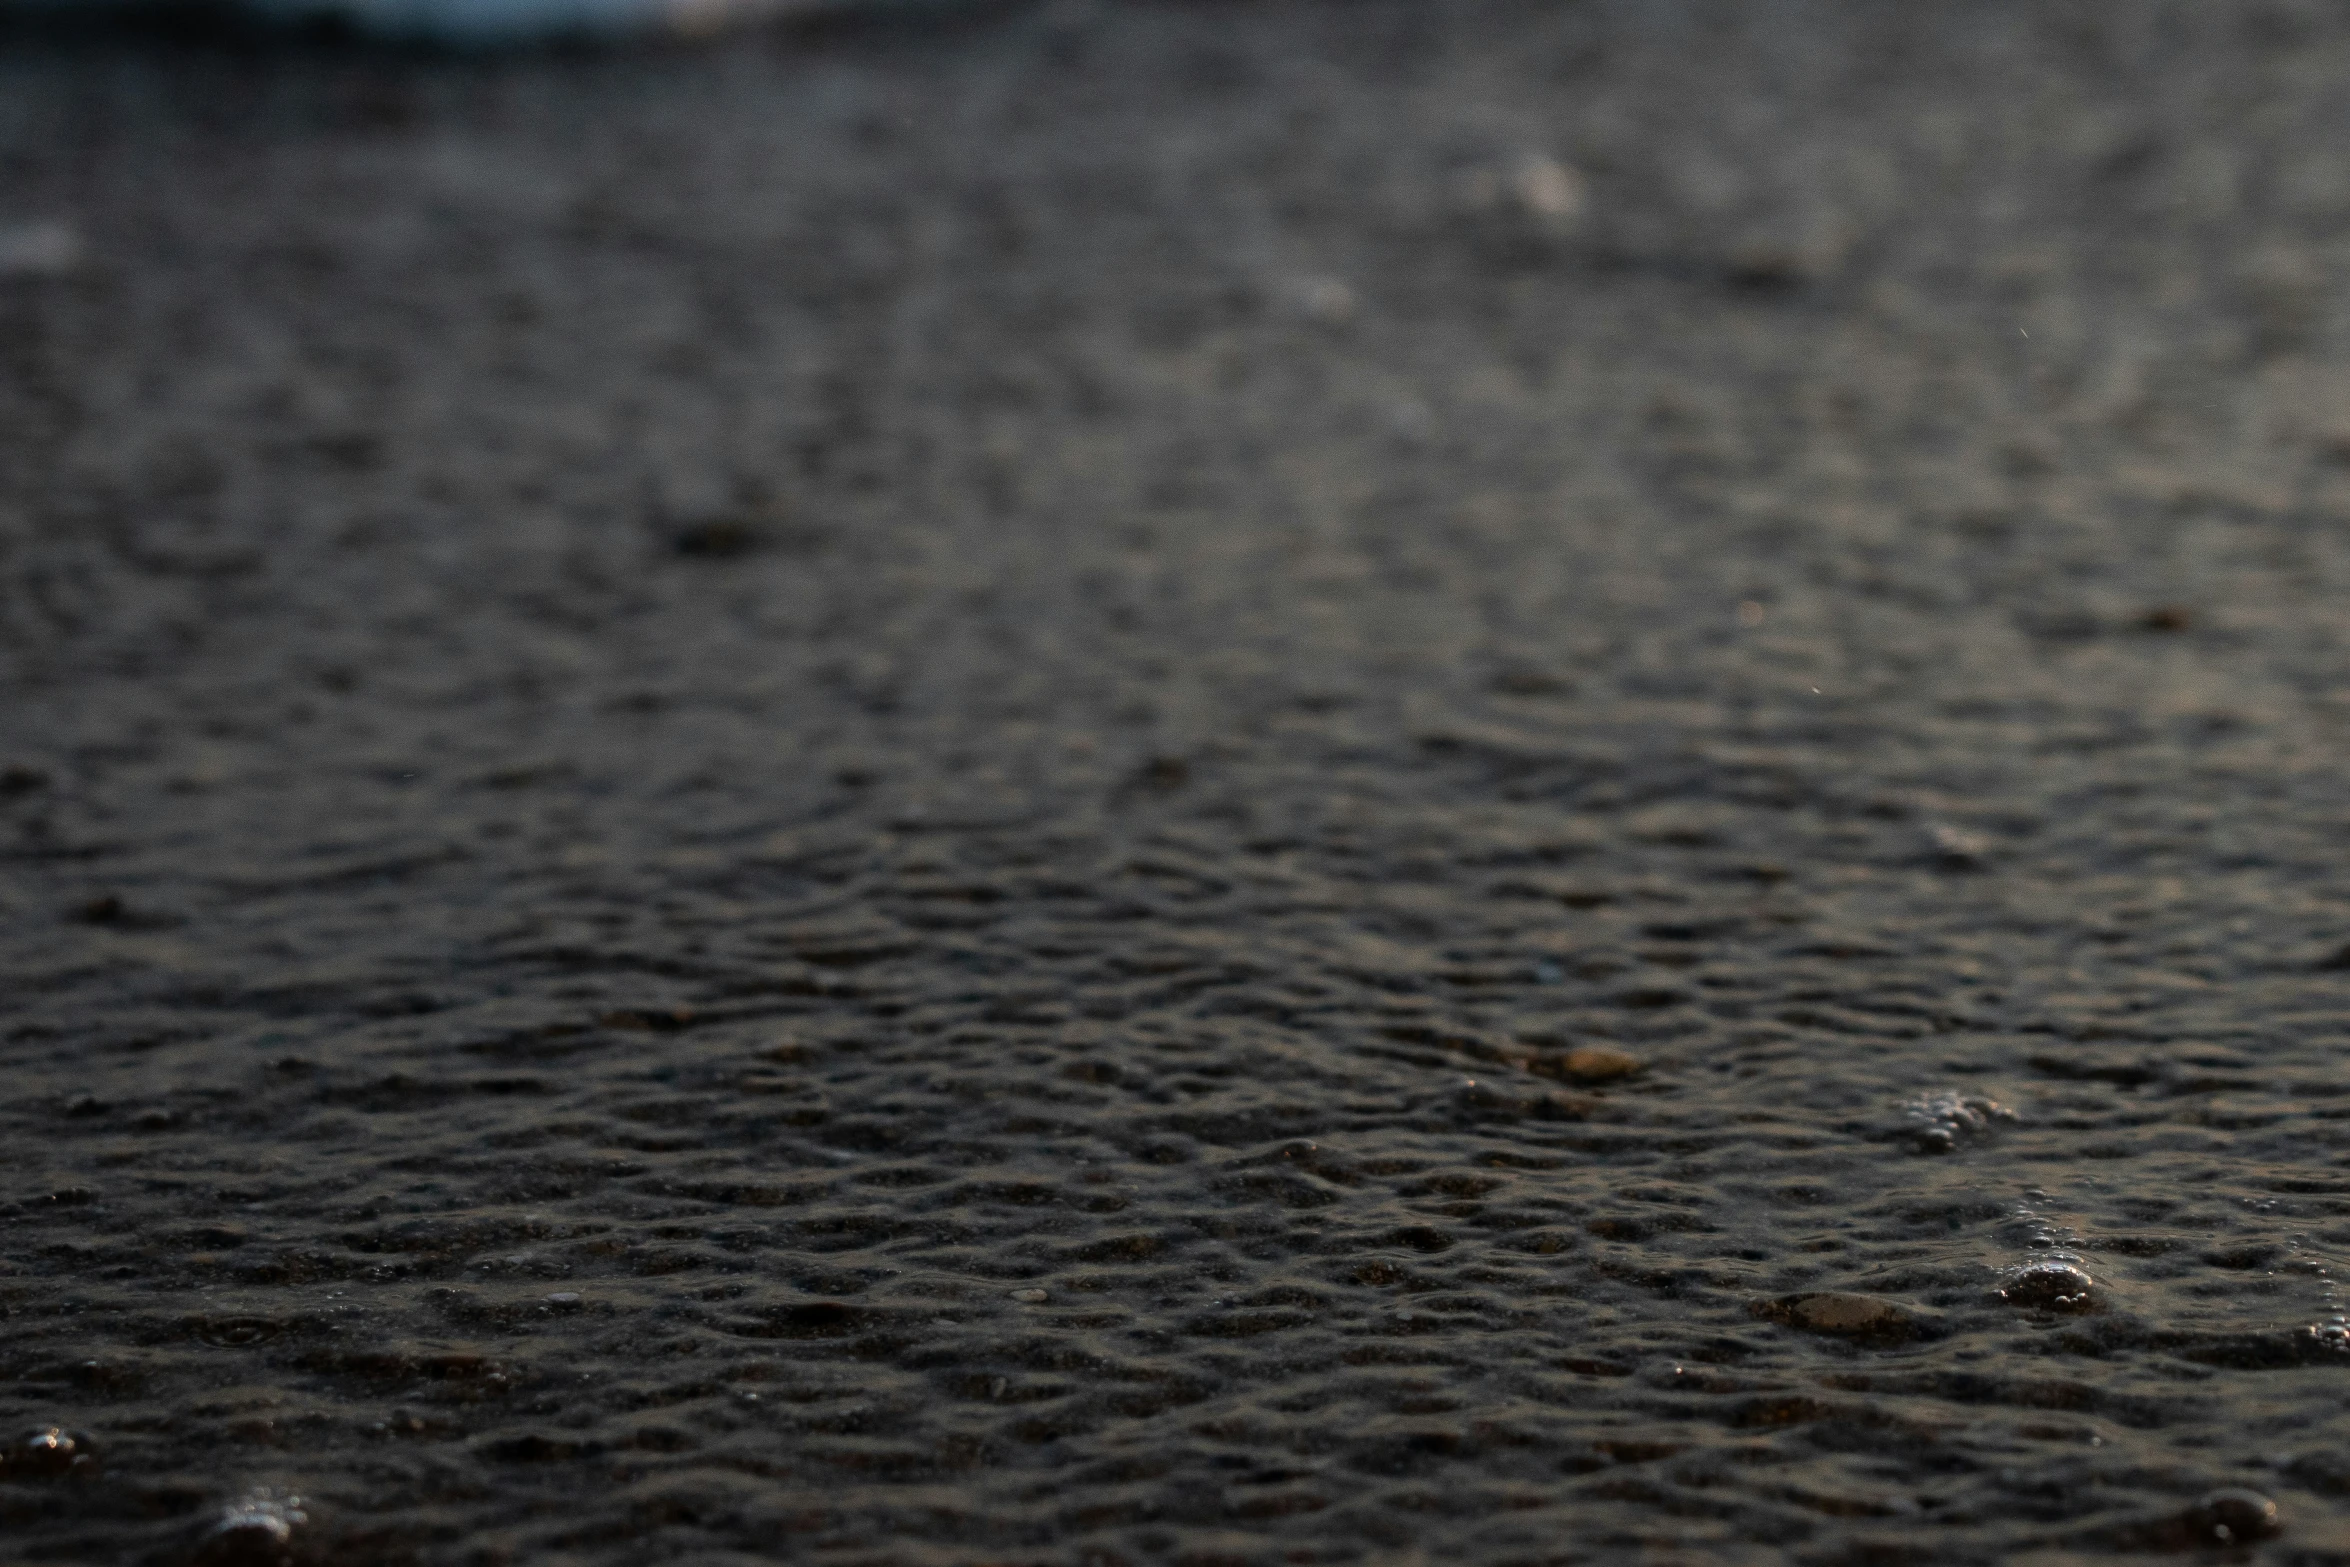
<point>1182,785</point>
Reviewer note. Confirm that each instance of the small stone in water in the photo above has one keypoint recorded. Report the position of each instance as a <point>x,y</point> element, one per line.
<point>2050,1286</point>
<point>1590,1064</point>
<point>1030,1297</point>
<point>1843,1314</point>
<point>256,1532</point>
<point>46,1453</point>
<point>2232,1515</point>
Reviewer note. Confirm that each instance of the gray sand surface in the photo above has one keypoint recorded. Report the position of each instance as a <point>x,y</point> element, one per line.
<point>1181,783</point>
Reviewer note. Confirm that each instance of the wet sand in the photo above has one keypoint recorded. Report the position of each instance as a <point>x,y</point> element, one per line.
<point>1181,783</point>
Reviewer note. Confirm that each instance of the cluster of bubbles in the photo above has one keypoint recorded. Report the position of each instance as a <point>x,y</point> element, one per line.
<point>1939,1123</point>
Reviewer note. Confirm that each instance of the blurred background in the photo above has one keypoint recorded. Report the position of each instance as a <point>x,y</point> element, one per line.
<point>454,24</point>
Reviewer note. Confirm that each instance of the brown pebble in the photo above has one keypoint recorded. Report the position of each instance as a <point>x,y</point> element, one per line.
<point>2167,617</point>
<point>2231,1515</point>
<point>1843,1314</point>
<point>1589,1064</point>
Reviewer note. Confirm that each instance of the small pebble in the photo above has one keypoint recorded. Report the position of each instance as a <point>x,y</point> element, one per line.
<point>2231,1515</point>
<point>1590,1064</point>
<point>256,1532</point>
<point>1030,1297</point>
<point>1532,186</point>
<point>2050,1286</point>
<point>1843,1314</point>
<point>46,1453</point>
<point>1546,187</point>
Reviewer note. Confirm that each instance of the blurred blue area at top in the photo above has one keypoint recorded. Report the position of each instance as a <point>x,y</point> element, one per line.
<point>491,24</point>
